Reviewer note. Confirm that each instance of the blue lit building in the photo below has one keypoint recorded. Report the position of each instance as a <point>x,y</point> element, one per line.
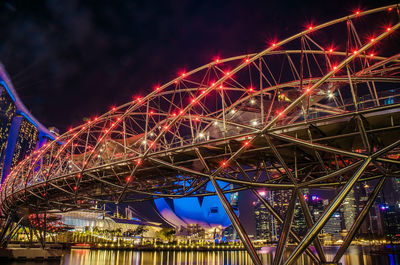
<point>20,132</point>
<point>206,212</point>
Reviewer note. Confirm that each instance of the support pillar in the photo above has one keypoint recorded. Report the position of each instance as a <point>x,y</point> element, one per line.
<point>236,223</point>
<point>285,229</point>
<point>357,223</point>
<point>313,232</point>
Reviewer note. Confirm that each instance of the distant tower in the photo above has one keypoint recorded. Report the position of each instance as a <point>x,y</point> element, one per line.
<point>349,210</point>
<point>267,227</point>
<point>333,227</point>
<point>299,221</point>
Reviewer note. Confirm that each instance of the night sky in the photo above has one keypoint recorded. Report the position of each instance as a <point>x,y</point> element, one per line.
<point>73,59</point>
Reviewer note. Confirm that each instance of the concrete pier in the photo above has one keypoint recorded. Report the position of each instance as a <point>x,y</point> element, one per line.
<point>19,253</point>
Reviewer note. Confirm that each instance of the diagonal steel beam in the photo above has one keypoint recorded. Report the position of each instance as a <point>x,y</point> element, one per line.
<point>331,175</point>
<point>357,223</point>
<point>236,223</point>
<point>363,134</point>
<point>313,232</point>
<point>280,220</point>
<point>231,214</point>
<point>287,223</point>
<point>281,160</point>
<point>5,227</point>
<point>309,221</point>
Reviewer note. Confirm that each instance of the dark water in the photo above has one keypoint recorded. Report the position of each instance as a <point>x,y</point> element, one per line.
<point>355,256</point>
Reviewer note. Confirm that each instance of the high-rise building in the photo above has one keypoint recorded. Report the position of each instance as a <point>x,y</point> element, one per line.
<point>333,227</point>
<point>373,223</point>
<point>265,222</point>
<point>7,112</point>
<point>267,227</point>
<point>349,208</point>
<point>299,221</point>
<point>391,222</point>
<point>26,141</point>
<point>20,132</point>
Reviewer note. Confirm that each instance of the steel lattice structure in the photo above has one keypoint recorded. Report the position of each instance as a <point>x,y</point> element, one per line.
<point>302,113</point>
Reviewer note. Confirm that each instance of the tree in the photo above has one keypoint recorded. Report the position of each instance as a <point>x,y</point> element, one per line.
<point>166,233</point>
<point>139,230</point>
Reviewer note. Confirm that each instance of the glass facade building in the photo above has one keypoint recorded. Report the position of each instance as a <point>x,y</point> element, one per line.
<point>20,132</point>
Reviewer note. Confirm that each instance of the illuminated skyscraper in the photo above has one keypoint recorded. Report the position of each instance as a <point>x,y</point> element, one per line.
<point>7,112</point>
<point>333,227</point>
<point>267,227</point>
<point>265,222</point>
<point>20,132</point>
<point>26,141</point>
<point>349,210</point>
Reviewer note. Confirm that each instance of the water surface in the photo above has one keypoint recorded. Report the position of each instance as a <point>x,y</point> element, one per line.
<point>355,256</point>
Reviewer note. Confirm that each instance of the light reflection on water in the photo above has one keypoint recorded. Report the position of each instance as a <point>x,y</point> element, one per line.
<point>355,256</point>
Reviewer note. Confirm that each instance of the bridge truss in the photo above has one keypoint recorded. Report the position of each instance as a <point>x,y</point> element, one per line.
<point>318,110</point>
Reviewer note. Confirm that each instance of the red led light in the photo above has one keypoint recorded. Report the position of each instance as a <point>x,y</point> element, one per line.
<point>217,60</point>
<point>113,108</point>
<point>246,143</point>
<point>183,74</point>
<point>331,50</point>
<point>307,90</point>
<point>372,40</point>
<point>75,187</point>
<point>334,67</point>
<point>128,179</point>
<point>221,86</point>
<point>273,44</point>
<point>251,89</point>
<point>355,52</point>
<point>203,92</point>
<point>310,27</point>
<point>388,29</point>
<point>390,8</point>
<point>193,100</point>
<point>157,88</point>
<point>224,163</point>
<point>139,99</point>
<point>228,73</point>
<point>357,12</point>
<point>371,55</point>
<point>247,60</point>
<point>151,112</point>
